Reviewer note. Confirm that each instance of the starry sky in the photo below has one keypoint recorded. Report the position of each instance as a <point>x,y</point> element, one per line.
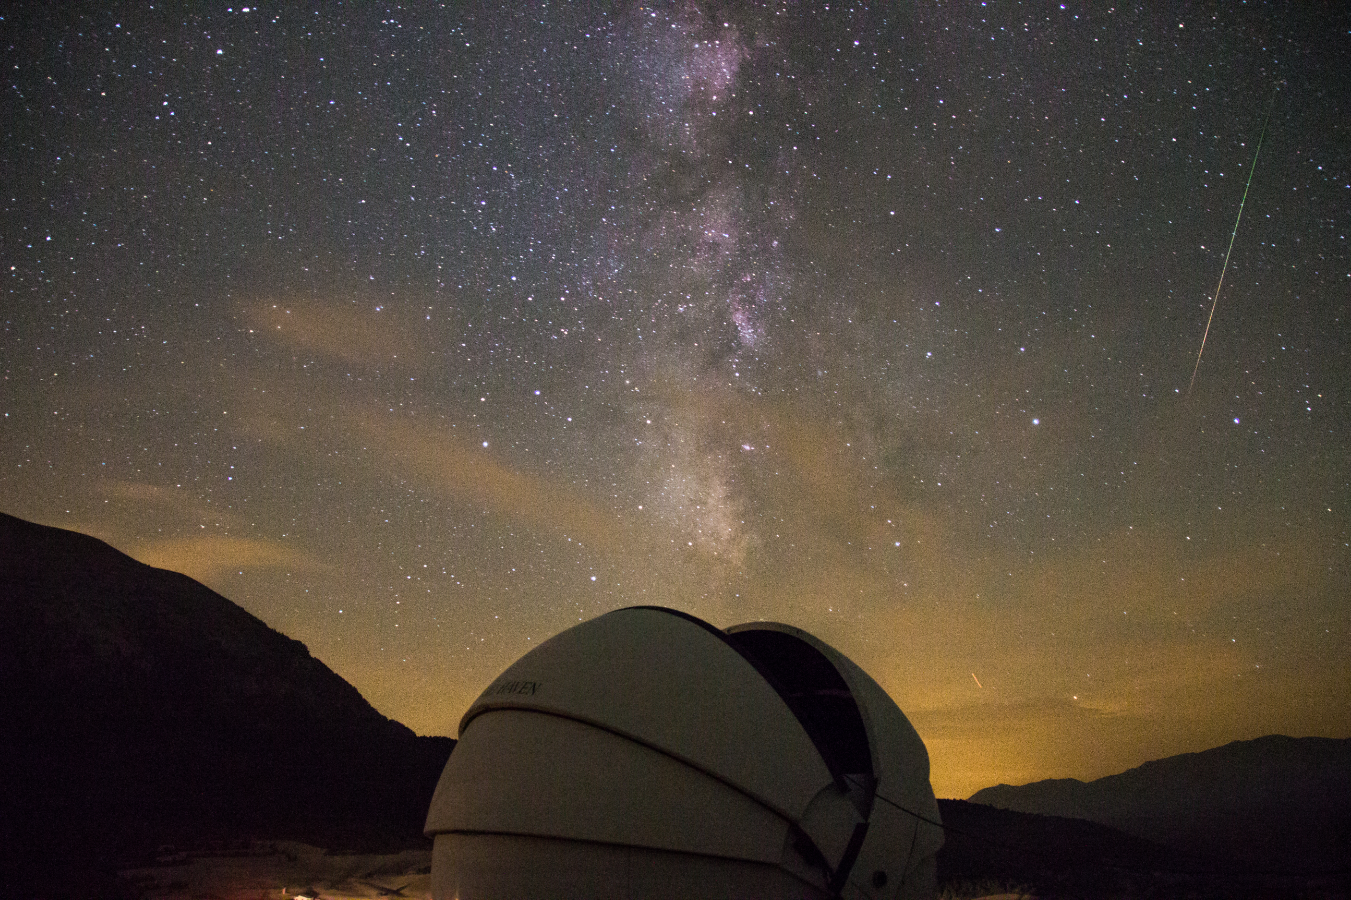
<point>426,332</point>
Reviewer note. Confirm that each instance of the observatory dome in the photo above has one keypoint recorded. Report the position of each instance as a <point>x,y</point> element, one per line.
<point>647,754</point>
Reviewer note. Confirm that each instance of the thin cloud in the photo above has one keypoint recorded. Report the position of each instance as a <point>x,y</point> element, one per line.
<point>365,335</point>
<point>473,475</point>
<point>208,557</point>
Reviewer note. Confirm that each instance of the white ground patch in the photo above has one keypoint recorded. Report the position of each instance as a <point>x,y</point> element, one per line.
<point>273,871</point>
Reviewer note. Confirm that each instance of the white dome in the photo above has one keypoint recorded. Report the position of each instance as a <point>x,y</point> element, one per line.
<point>645,754</point>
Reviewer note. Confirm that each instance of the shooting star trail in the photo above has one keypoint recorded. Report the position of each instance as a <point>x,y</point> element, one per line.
<point>978,684</point>
<point>1216,302</point>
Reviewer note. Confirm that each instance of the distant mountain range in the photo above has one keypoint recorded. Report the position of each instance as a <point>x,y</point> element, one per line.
<point>141,708</point>
<point>1271,804</point>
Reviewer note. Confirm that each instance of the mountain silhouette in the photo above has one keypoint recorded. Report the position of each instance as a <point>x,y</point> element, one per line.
<point>1276,803</point>
<point>140,708</point>
<point>1051,856</point>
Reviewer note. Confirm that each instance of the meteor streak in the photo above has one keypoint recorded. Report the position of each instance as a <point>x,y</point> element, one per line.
<point>978,684</point>
<point>1216,302</point>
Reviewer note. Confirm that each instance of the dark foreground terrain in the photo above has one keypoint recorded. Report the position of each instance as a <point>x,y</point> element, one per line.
<point>1270,807</point>
<point>996,851</point>
<point>142,709</point>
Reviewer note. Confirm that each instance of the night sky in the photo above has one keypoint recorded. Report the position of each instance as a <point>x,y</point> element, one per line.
<point>425,333</point>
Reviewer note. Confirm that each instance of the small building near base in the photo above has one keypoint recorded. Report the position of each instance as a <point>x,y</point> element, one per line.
<point>646,754</point>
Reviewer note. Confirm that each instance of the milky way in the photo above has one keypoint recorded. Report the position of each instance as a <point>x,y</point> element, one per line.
<point>423,333</point>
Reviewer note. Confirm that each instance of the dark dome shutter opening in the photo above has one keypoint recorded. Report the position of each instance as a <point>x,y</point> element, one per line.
<point>816,694</point>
